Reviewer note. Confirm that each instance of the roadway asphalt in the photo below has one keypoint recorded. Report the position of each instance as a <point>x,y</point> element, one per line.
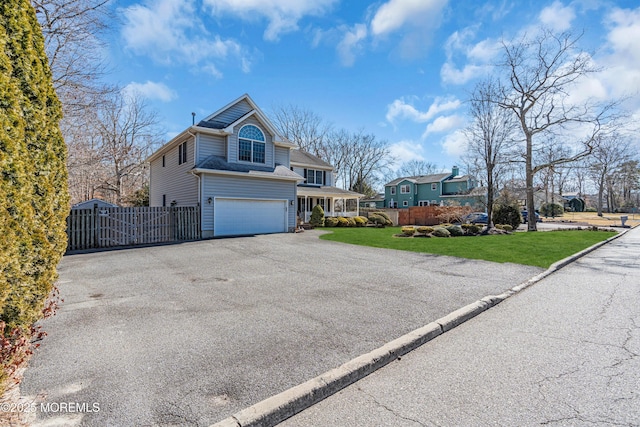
<point>563,352</point>
<point>189,334</point>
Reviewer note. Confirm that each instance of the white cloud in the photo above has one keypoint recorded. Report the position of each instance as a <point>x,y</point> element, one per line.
<point>396,14</point>
<point>283,15</point>
<point>557,16</point>
<point>351,43</point>
<point>170,32</point>
<point>477,57</point>
<point>151,90</point>
<point>400,109</point>
<point>455,144</point>
<point>444,124</point>
<point>405,150</point>
<point>452,75</point>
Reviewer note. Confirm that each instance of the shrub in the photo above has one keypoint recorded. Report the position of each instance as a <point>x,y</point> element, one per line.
<point>408,231</point>
<point>425,230</point>
<point>383,215</point>
<point>377,220</point>
<point>471,229</point>
<point>360,221</point>
<point>441,232</point>
<point>455,230</point>
<point>351,222</point>
<point>507,214</point>
<point>551,209</point>
<point>317,216</point>
<point>33,183</point>
<point>331,221</point>
<point>342,222</point>
<point>505,227</point>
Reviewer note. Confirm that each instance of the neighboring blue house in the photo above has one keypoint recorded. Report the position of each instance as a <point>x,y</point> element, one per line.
<point>428,190</point>
<point>377,202</point>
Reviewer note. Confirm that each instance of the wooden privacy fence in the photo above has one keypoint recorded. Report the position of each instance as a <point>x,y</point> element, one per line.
<point>109,227</point>
<point>431,215</point>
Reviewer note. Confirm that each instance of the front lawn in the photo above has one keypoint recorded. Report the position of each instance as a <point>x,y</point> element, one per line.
<point>540,249</point>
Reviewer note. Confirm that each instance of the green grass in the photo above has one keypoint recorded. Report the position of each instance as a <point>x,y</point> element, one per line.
<point>540,249</point>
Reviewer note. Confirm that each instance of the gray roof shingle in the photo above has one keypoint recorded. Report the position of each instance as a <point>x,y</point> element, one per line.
<point>422,179</point>
<point>304,157</point>
<point>219,163</point>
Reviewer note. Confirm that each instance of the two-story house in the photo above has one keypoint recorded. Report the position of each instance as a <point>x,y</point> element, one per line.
<point>235,166</point>
<point>319,188</point>
<point>427,190</point>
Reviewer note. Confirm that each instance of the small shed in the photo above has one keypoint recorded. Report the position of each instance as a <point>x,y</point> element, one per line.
<point>89,204</point>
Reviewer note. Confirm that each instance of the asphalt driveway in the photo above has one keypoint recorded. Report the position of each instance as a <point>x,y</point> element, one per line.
<point>189,334</point>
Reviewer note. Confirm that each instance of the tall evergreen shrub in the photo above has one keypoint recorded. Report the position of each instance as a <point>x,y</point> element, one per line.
<point>33,185</point>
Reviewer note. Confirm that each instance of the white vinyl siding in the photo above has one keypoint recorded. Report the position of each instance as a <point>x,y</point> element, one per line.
<point>246,188</point>
<point>173,180</point>
<point>282,156</point>
<point>209,145</point>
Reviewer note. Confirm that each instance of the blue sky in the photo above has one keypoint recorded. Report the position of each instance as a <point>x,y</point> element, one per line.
<point>400,69</point>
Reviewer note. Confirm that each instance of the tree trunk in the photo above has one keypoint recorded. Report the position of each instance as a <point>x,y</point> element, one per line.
<point>531,220</point>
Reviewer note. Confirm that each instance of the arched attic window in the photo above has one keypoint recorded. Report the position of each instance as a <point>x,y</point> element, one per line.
<point>251,144</point>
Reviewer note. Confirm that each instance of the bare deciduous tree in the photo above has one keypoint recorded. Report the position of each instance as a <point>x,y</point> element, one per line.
<point>127,132</point>
<point>416,168</point>
<point>605,165</point>
<point>490,136</point>
<point>541,73</point>
<point>358,158</point>
<point>72,31</point>
<point>302,127</point>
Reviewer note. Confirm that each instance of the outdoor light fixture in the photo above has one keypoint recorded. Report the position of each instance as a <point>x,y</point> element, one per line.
<point>209,200</point>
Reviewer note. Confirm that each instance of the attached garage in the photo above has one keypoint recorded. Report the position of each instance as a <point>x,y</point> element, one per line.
<point>234,217</point>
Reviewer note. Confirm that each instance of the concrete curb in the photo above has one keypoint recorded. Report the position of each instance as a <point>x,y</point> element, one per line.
<point>278,408</point>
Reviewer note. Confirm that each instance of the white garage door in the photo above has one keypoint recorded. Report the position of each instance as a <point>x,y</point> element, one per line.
<point>249,216</point>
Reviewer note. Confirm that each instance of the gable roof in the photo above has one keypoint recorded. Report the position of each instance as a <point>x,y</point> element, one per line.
<point>218,124</point>
<point>305,158</point>
<point>235,116</point>
<point>88,204</point>
<point>421,179</point>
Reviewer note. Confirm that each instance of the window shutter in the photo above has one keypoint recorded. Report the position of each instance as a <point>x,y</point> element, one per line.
<point>324,177</point>
<point>305,174</point>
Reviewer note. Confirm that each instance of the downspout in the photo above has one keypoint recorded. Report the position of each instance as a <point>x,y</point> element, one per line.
<point>200,201</point>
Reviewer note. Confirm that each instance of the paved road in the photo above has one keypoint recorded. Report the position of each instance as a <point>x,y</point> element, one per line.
<point>190,334</point>
<point>564,352</point>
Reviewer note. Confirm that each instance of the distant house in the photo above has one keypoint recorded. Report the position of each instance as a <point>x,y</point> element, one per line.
<point>318,188</point>
<point>376,202</point>
<point>90,204</point>
<point>427,190</point>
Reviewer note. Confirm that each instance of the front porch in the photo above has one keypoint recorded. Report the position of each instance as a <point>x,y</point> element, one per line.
<point>334,202</point>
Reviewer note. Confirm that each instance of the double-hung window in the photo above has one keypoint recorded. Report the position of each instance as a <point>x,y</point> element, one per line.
<point>251,144</point>
<point>182,154</point>
<point>314,176</point>
<point>405,189</point>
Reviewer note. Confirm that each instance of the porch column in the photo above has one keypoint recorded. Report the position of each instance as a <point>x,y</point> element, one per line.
<point>358,206</point>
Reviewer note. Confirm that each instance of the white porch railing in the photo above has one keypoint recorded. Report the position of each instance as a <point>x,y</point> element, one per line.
<point>307,214</point>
